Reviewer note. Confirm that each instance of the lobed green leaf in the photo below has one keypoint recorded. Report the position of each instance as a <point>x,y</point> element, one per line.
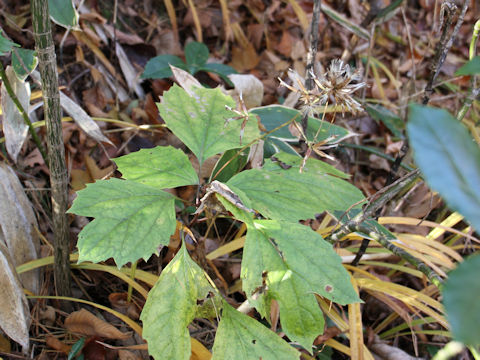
<point>295,263</point>
<point>283,193</point>
<point>172,305</point>
<point>159,66</point>
<point>201,121</point>
<point>131,220</point>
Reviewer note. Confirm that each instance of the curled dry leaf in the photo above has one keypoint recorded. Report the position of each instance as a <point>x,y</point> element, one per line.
<point>14,312</point>
<point>85,323</point>
<point>14,127</point>
<point>18,224</point>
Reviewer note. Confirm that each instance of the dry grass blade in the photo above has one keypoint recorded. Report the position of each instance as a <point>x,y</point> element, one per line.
<point>196,20</point>
<point>171,15</point>
<point>356,327</point>
<point>18,223</point>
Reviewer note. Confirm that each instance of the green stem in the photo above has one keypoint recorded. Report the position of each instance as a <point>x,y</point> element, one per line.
<point>22,112</point>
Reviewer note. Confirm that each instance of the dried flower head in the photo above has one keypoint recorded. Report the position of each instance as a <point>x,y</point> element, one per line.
<point>334,87</point>
<point>336,83</point>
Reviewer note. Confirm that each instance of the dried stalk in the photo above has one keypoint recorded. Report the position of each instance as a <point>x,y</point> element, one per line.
<point>56,153</point>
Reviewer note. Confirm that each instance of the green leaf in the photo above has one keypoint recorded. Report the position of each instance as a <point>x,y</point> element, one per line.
<point>284,193</point>
<point>161,167</point>
<point>283,160</point>
<point>235,164</point>
<point>388,118</point>
<point>241,337</point>
<point>200,121</point>
<point>287,256</point>
<point>159,66</point>
<point>448,157</point>
<point>196,55</point>
<point>131,220</point>
<point>29,60</point>
<point>471,67</point>
<point>172,305</point>
<point>273,116</point>
<point>6,45</point>
<point>63,13</point>
<point>220,69</point>
<point>460,297</point>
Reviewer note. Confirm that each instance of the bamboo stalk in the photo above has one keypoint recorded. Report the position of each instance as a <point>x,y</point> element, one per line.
<point>56,153</point>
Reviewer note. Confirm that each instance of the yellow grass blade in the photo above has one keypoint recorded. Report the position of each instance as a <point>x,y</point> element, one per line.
<point>418,222</point>
<point>196,20</point>
<point>356,327</point>
<point>227,248</point>
<point>451,220</point>
<point>401,268</point>
<point>226,20</point>
<point>406,295</point>
<point>302,17</point>
<point>173,18</point>
<point>337,346</point>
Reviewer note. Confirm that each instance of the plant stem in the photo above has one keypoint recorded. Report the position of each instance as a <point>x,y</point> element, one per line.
<point>310,68</point>
<point>22,112</point>
<point>56,152</point>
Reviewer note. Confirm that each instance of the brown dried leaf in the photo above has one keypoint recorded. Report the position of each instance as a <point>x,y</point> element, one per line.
<point>85,323</point>
<point>244,58</point>
<point>54,343</point>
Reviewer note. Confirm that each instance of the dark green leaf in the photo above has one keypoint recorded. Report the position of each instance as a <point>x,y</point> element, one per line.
<point>161,167</point>
<point>63,13</point>
<point>273,116</point>
<point>131,220</point>
<point>159,66</point>
<point>389,119</point>
<point>448,157</point>
<point>24,63</point>
<point>235,164</point>
<point>461,296</point>
<point>220,69</point>
<point>472,67</point>
<point>6,45</point>
<point>196,55</point>
<point>241,337</point>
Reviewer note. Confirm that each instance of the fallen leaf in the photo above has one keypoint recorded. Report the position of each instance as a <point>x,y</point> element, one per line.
<point>249,87</point>
<point>244,58</point>
<point>14,312</point>
<point>185,80</point>
<point>14,128</point>
<point>56,344</point>
<point>18,224</point>
<point>85,323</point>
<point>83,120</point>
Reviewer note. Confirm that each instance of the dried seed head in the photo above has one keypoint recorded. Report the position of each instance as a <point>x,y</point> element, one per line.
<point>334,87</point>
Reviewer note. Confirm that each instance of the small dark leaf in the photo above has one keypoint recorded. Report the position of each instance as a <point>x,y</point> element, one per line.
<point>472,67</point>
<point>196,55</point>
<point>159,66</point>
